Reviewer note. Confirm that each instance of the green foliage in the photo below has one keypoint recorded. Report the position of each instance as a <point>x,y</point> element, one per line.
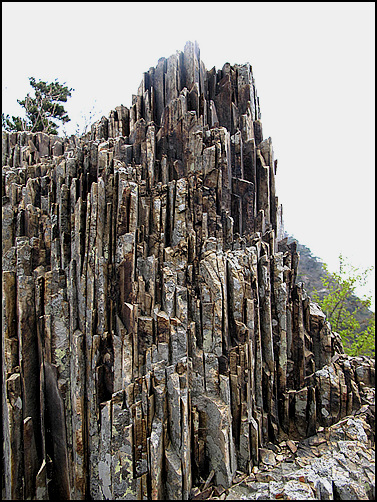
<point>340,286</point>
<point>365,343</point>
<point>43,110</point>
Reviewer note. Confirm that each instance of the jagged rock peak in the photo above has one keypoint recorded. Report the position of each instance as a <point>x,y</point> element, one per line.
<point>155,340</point>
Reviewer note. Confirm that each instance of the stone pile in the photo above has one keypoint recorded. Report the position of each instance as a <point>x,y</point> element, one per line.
<point>154,336</point>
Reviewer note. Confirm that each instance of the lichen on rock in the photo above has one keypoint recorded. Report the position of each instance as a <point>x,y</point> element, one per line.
<point>156,343</point>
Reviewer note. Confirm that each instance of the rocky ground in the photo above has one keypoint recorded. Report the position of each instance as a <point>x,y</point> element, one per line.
<point>337,463</point>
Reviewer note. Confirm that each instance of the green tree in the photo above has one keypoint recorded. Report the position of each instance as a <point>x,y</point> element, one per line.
<point>42,111</point>
<point>340,286</point>
<point>365,342</point>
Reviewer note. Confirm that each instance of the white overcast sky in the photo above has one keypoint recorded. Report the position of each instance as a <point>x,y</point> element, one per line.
<point>314,69</point>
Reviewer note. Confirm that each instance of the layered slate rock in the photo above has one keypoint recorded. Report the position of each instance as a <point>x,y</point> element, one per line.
<point>154,336</point>
<point>336,463</point>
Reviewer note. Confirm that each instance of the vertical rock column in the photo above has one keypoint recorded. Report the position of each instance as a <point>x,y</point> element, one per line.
<point>153,332</point>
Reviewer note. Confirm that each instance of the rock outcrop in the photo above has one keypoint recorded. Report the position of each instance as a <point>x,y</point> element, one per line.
<point>337,463</point>
<point>154,335</point>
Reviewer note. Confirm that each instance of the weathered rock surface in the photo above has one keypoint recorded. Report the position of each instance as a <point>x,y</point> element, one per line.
<point>337,463</point>
<point>155,340</point>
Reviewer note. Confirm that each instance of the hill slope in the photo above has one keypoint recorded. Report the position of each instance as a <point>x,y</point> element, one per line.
<point>311,271</point>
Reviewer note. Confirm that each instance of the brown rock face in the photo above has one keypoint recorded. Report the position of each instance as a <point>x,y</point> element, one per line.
<point>154,337</point>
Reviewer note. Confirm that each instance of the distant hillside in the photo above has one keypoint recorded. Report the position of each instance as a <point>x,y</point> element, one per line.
<point>310,272</point>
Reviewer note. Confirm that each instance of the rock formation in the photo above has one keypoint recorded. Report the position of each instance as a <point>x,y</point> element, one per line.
<point>337,463</point>
<point>154,335</point>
